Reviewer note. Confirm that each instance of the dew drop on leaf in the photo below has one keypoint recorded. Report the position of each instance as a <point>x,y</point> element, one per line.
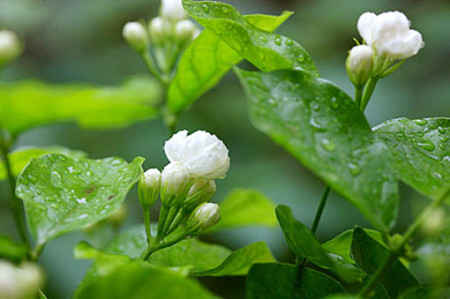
<point>426,145</point>
<point>289,42</point>
<point>327,144</point>
<point>205,8</point>
<point>354,169</point>
<point>420,122</point>
<point>278,41</point>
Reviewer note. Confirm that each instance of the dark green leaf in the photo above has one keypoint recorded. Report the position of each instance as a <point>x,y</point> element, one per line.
<point>324,129</point>
<point>27,104</point>
<point>421,148</point>
<point>134,280</point>
<point>12,251</point>
<point>245,207</point>
<point>289,281</point>
<point>267,51</point>
<point>425,292</point>
<point>369,254</point>
<point>206,61</point>
<point>240,261</point>
<point>62,194</point>
<point>303,243</point>
<point>20,157</point>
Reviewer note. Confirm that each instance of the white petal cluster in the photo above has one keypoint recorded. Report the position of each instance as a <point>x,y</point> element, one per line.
<point>135,35</point>
<point>10,46</point>
<point>389,34</point>
<point>18,282</point>
<point>172,10</point>
<point>174,179</point>
<point>360,64</point>
<point>203,155</point>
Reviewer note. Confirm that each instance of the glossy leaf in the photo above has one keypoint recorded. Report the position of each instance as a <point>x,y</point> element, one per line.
<point>369,254</point>
<point>20,157</point>
<point>323,128</point>
<point>241,260</point>
<point>421,148</point>
<point>134,280</point>
<point>289,281</point>
<point>27,104</point>
<point>12,251</point>
<point>62,194</point>
<point>304,244</point>
<point>246,207</point>
<point>207,60</point>
<point>267,51</point>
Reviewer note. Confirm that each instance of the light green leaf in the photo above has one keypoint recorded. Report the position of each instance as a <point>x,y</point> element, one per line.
<point>267,51</point>
<point>369,254</point>
<point>12,251</point>
<point>62,194</point>
<point>245,207</point>
<point>240,261</point>
<point>136,280</point>
<point>304,244</point>
<point>323,128</point>
<point>21,156</point>
<point>421,148</point>
<point>27,104</point>
<point>289,281</point>
<point>207,60</point>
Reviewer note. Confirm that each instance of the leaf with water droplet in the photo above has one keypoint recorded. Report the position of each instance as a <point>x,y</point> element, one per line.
<point>59,201</point>
<point>421,149</point>
<point>324,129</point>
<point>207,59</point>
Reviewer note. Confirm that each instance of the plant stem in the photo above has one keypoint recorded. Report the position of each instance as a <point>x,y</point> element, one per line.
<point>152,248</point>
<point>378,274</point>
<point>16,203</point>
<point>151,66</point>
<point>368,91</point>
<point>147,224</point>
<point>319,212</point>
<point>358,95</point>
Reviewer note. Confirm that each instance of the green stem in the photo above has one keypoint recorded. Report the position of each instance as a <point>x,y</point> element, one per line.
<point>319,212</point>
<point>358,95</point>
<point>152,248</point>
<point>368,91</point>
<point>412,229</point>
<point>170,218</point>
<point>180,217</point>
<point>16,203</point>
<point>147,224</point>
<point>151,66</point>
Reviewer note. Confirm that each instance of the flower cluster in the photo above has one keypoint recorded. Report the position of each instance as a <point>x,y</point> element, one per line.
<point>18,282</point>
<point>166,35</point>
<point>187,183</point>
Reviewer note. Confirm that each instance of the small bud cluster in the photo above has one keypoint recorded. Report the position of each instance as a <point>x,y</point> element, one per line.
<point>18,282</point>
<point>186,184</point>
<point>388,40</point>
<point>165,37</point>
<point>10,47</point>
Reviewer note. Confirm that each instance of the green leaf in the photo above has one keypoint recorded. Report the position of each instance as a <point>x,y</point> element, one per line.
<point>289,281</point>
<point>62,194</point>
<point>305,245</point>
<point>421,148</point>
<point>369,254</point>
<point>12,251</point>
<point>207,60</point>
<point>20,157</point>
<point>27,104</point>
<point>267,51</point>
<point>240,261</point>
<point>426,292</point>
<point>190,254</point>
<point>135,280</point>
<point>245,207</point>
<point>323,128</point>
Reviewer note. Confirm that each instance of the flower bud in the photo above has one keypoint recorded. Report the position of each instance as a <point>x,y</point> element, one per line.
<point>174,183</point>
<point>10,47</point>
<point>359,64</point>
<point>149,186</point>
<point>435,222</point>
<point>136,36</point>
<point>203,155</point>
<point>184,31</point>
<point>160,30</point>
<point>19,282</point>
<point>203,218</point>
<point>172,10</point>
<point>200,192</point>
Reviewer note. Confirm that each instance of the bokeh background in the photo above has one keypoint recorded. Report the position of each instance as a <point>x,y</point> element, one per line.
<point>80,41</point>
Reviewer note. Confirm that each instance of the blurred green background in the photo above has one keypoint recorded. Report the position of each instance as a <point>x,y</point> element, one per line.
<point>81,41</point>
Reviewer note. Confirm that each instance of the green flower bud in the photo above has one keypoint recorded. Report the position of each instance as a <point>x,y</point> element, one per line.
<point>136,36</point>
<point>160,30</point>
<point>149,186</point>
<point>203,218</point>
<point>174,184</point>
<point>359,64</point>
<point>10,47</point>
<point>435,222</point>
<point>201,191</point>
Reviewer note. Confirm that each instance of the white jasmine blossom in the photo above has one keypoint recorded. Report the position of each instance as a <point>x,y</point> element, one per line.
<point>202,154</point>
<point>149,186</point>
<point>10,47</point>
<point>360,64</point>
<point>202,218</point>
<point>135,35</point>
<point>172,10</point>
<point>19,282</point>
<point>174,184</point>
<point>390,35</point>
<point>184,30</point>
<point>160,29</point>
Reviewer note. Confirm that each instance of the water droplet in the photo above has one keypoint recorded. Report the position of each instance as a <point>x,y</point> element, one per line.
<point>205,8</point>
<point>289,42</point>
<point>354,168</point>
<point>300,58</point>
<point>263,38</point>
<point>437,175</point>
<point>420,122</point>
<point>278,41</point>
<point>334,103</point>
<point>82,216</point>
<point>446,159</point>
<point>225,9</point>
<point>272,102</point>
<point>81,200</point>
<point>316,125</point>
<point>441,130</point>
<point>315,106</point>
<point>426,145</point>
<point>327,144</point>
